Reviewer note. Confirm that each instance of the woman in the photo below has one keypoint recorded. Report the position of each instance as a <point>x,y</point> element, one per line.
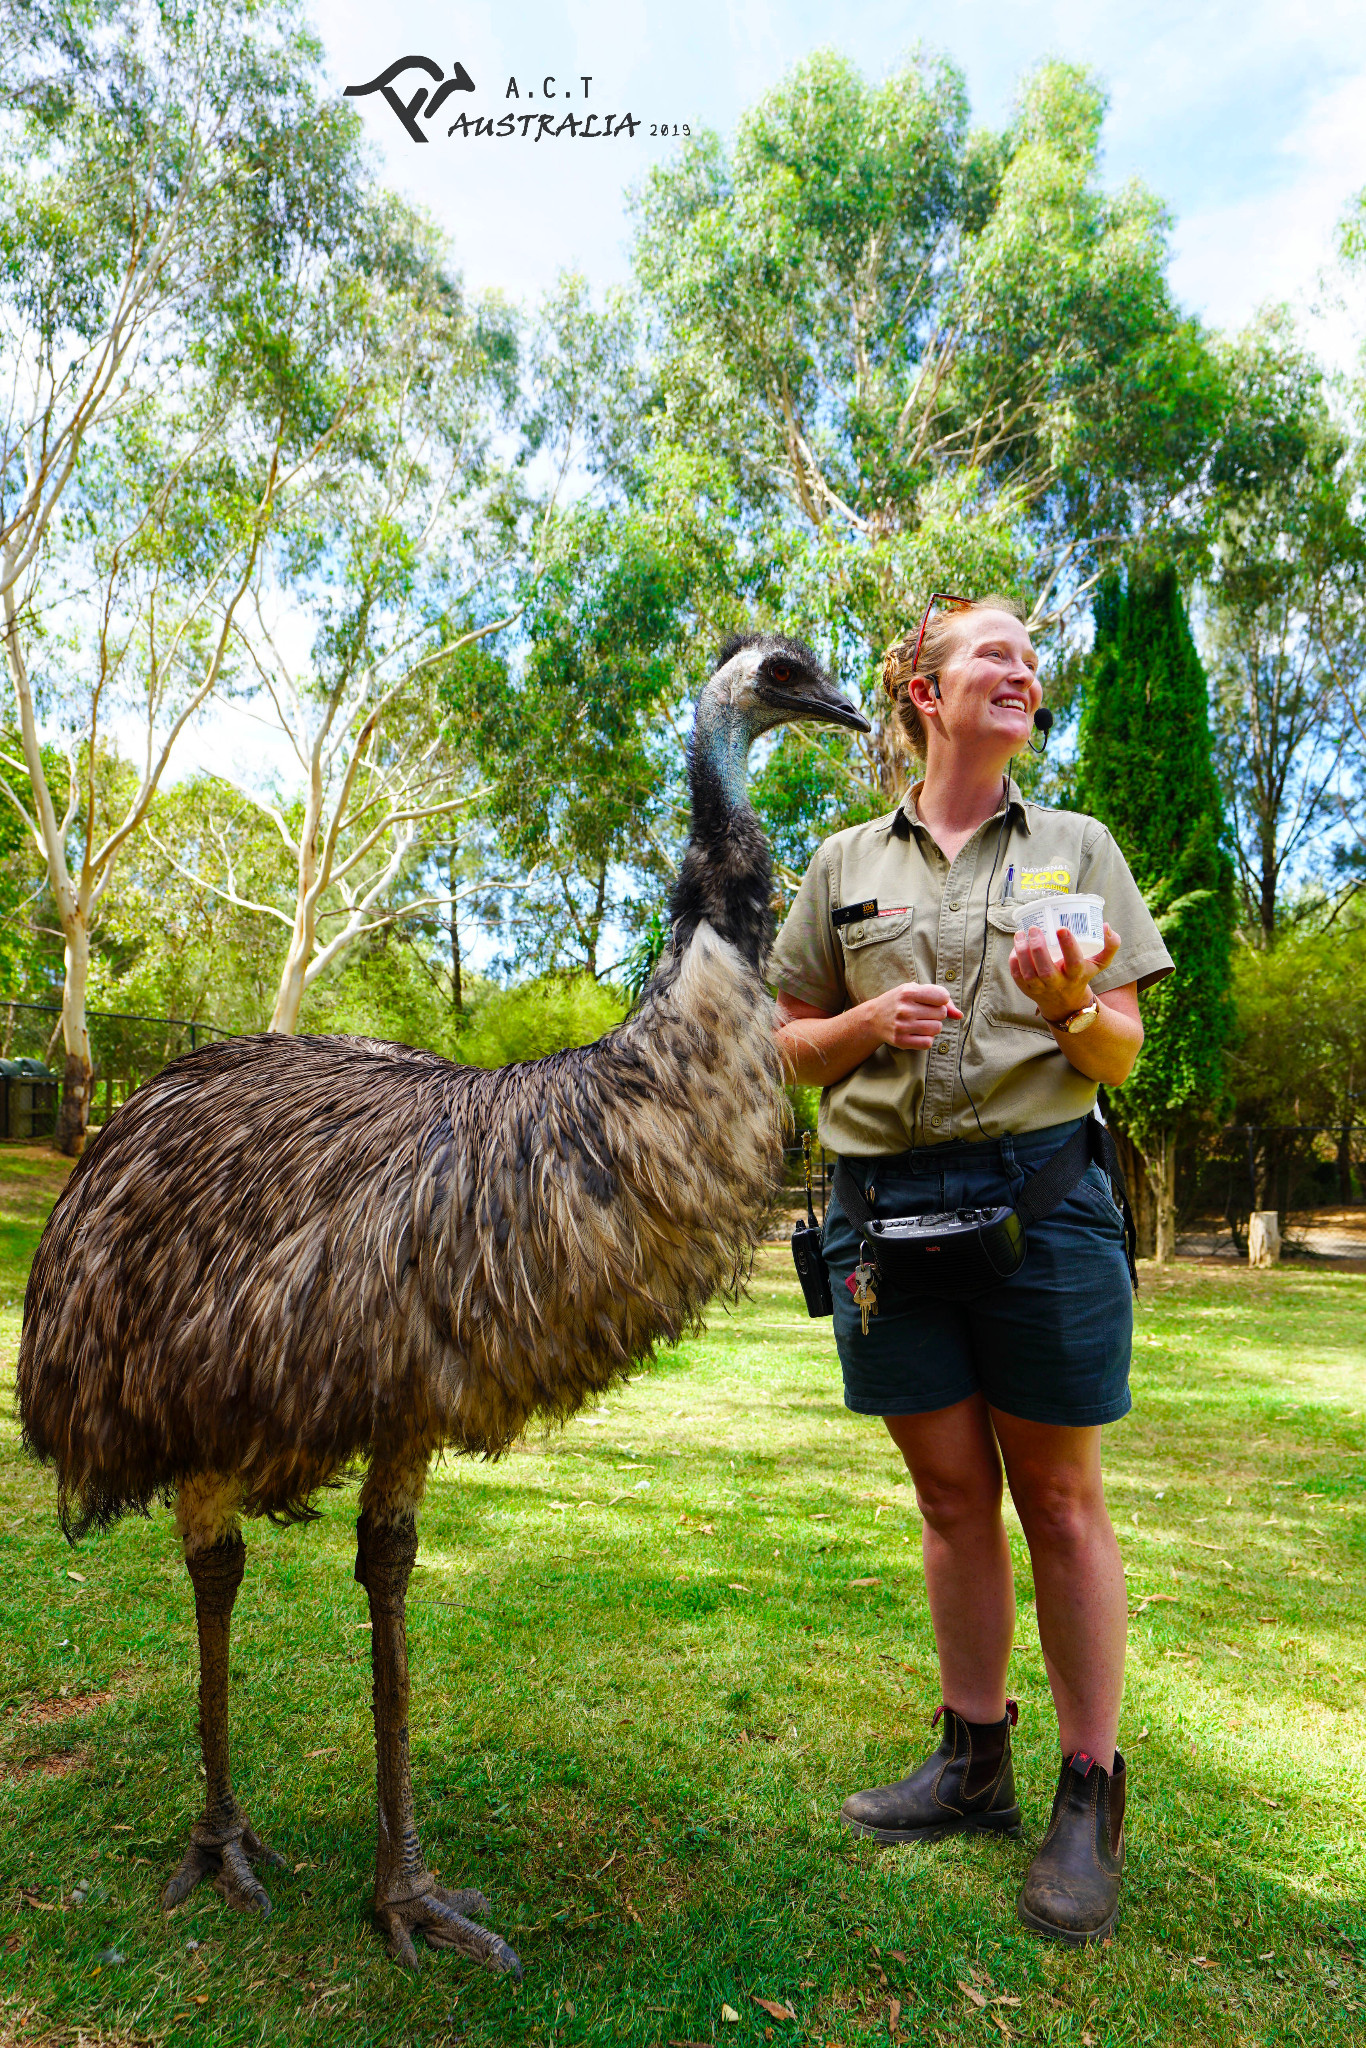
<point>955,1055</point>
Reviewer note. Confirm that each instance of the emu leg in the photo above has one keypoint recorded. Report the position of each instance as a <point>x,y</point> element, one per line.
<point>408,1900</point>
<point>223,1846</point>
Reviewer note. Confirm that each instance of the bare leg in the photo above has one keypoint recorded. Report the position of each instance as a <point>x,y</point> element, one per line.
<point>952,1457</point>
<point>1055,1482</point>
<point>223,1846</point>
<point>408,1900</point>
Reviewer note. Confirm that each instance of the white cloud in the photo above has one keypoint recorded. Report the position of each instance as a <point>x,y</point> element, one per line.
<point>1276,244</point>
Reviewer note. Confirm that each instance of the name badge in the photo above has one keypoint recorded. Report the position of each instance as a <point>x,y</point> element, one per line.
<point>853,913</point>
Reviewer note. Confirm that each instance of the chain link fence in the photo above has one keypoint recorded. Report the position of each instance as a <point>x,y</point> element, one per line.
<point>125,1049</point>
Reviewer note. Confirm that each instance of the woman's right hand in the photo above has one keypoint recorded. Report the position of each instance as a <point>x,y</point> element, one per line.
<point>911,1016</point>
<point>819,1049</point>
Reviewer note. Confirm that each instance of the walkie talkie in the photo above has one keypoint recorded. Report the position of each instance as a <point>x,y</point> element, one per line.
<point>807,1256</point>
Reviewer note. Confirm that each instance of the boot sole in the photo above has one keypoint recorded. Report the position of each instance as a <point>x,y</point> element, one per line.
<point>1068,1936</point>
<point>1007,1822</point>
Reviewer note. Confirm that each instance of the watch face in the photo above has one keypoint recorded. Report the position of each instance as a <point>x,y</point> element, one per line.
<point>1085,1020</point>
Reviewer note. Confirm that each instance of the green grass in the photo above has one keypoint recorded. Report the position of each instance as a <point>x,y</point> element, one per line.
<point>645,1674</point>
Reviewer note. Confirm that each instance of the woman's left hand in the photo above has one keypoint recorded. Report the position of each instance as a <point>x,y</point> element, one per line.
<point>1057,987</point>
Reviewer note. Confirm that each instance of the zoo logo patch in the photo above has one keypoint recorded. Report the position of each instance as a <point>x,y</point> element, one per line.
<point>1048,880</point>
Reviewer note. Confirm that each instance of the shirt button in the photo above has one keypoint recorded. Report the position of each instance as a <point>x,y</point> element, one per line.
<point>950,974</point>
<point>936,1121</point>
<point>953,906</point>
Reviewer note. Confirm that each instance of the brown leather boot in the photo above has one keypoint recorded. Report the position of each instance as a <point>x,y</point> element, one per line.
<point>967,1785</point>
<point>1071,1890</point>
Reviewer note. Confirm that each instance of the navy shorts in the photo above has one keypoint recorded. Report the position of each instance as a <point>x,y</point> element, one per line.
<point>1050,1345</point>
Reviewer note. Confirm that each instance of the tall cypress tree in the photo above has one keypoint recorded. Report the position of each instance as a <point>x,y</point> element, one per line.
<point>1145,769</point>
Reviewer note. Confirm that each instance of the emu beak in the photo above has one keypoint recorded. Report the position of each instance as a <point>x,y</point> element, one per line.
<point>830,708</point>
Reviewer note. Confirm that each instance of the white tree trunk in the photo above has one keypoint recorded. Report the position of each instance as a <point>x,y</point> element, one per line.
<point>78,1072</point>
<point>290,994</point>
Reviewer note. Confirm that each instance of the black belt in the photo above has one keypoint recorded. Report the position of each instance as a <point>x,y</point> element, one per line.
<point>956,1255</point>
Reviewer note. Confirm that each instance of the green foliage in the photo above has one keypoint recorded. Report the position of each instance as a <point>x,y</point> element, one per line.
<point>928,357</point>
<point>1300,1051</point>
<point>537,1017</point>
<point>1145,770</point>
<point>1285,590</point>
<point>580,748</point>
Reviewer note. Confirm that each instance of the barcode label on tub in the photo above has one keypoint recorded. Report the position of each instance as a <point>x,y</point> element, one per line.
<point>1078,921</point>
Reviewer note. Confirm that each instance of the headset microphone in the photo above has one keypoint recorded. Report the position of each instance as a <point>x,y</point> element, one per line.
<point>1043,723</point>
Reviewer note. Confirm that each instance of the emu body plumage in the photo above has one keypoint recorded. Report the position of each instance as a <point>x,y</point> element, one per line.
<point>284,1255</point>
<point>286,1252</point>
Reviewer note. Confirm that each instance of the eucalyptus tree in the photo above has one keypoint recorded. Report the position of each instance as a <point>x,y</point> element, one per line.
<point>1282,585</point>
<point>929,357</point>
<point>393,565</point>
<point>211,318</point>
<point>194,275</point>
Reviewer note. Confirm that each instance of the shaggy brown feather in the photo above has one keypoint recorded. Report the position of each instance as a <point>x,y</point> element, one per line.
<point>285,1253</point>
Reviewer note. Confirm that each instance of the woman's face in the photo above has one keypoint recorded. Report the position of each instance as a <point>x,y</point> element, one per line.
<point>989,687</point>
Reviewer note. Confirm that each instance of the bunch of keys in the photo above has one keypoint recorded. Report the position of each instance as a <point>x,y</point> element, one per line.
<point>861,1285</point>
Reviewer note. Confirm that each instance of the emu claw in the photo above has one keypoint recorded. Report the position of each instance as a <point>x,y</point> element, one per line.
<point>226,1860</point>
<point>445,1919</point>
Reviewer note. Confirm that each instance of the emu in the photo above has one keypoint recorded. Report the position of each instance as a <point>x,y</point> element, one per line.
<point>284,1255</point>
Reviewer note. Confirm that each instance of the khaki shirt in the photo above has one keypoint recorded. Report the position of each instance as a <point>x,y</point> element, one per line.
<point>929,925</point>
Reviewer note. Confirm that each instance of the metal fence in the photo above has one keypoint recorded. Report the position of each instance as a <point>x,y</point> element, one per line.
<point>1299,1170</point>
<point>125,1049</point>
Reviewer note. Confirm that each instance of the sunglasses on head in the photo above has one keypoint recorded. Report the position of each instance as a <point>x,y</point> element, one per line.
<point>950,603</point>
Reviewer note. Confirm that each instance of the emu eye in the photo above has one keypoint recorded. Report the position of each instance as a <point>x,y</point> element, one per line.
<point>780,672</point>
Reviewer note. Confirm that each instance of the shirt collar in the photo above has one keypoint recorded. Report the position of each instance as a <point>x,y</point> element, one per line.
<point>906,818</point>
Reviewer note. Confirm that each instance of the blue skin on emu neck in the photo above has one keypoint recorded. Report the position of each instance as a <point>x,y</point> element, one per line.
<point>722,737</point>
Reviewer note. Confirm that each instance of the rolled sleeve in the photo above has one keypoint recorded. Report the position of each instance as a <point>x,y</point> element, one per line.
<point>1142,956</point>
<point>805,961</point>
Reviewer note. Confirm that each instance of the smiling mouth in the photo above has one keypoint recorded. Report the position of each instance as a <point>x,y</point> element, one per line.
<point>1010,703</point>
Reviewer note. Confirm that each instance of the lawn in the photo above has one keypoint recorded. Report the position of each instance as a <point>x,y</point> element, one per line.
<point>650,1656</point>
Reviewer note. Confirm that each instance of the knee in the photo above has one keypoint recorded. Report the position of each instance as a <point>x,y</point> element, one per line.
<point>954,1504</point>
<point>1058,1511</point>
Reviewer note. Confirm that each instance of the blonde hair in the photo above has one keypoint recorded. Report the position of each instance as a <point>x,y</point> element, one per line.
<point>935,653</point>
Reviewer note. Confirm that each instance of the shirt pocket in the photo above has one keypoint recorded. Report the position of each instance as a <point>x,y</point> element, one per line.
<point>877,954</point>
<point>1006,1001</point>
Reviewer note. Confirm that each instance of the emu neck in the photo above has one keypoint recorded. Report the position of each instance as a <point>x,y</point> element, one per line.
<point>719,765</point>
<point>726,872</point>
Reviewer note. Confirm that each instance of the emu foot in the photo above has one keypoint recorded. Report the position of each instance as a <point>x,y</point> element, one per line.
<point>225,1856</point>
<point>444,1919</point>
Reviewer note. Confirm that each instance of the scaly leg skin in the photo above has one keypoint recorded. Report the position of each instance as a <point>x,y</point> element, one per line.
<point>408,1900</point>
<point>223,1846</point>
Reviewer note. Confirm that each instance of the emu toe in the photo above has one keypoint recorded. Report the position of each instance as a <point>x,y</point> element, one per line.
<point>226,1859</point>
<point>445,1919</point>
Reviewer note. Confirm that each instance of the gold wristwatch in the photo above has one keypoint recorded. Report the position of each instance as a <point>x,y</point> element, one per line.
<point>1075,1020</point>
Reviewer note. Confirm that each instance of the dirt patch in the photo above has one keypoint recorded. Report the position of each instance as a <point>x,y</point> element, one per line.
<point>43,1713</point>
<point>61,1763</point>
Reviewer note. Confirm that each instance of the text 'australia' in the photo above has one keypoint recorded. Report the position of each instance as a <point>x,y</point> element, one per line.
<point>547,127</point>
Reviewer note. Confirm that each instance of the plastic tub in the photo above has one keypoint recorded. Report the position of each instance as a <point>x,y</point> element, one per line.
<point>1083,916</point>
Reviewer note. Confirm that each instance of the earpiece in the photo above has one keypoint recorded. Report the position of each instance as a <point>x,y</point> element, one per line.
<point>1043,723</point>
<point>937,691</point>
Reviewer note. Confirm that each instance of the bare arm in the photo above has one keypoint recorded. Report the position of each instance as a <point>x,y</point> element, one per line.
<point>819,1049</point>
<point>1106,1051</point>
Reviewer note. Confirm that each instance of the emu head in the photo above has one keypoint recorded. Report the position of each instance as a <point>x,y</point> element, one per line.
<point>762,680</point>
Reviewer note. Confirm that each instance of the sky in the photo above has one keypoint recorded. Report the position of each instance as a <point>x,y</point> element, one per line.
<point>1248,120</point>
